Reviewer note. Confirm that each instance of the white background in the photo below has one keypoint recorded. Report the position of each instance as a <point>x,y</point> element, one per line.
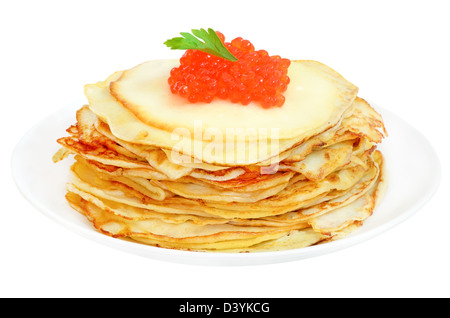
<point>396,52</point>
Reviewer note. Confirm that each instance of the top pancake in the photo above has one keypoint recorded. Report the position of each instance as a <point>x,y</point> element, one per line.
<point>316,97</point>
<point>139,108</point>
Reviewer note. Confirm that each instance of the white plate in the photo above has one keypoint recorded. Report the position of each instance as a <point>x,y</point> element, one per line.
<point>42,182</point>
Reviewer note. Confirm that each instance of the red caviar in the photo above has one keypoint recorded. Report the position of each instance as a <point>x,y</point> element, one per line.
<point>255,76</point>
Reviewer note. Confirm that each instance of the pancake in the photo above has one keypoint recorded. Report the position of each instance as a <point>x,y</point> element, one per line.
<point>295,195</point>
<point>143,90</point>
<point>318,178</point>
<point>331,93</point>
<point>210,234</point>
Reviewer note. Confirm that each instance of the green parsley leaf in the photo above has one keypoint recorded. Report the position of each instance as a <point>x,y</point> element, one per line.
<point>211,45</point>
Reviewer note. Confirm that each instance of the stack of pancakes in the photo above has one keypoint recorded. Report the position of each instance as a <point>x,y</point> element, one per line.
<point>153,168</point>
